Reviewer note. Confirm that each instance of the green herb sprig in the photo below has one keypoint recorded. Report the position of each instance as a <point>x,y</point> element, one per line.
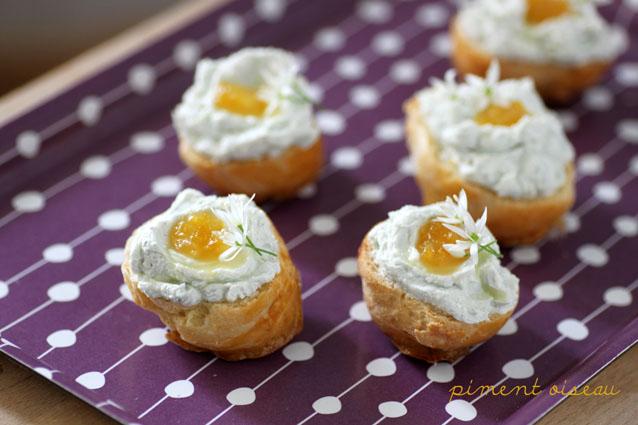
<point>248,243</point>
<point>486,247</point>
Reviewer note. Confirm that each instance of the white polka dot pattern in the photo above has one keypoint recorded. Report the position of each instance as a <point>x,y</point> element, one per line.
<point>28,202</point>
<point>432,15</point>
<point>91,380</point>
<point>153,337</point>
<point>308,191</point>
<point>548,291</point>
<point>328,405</point>
<point>270,10</point>
<point>590,164</point>
<point>598,99</point>
<point>166,186</point>
<point>299,351</point>
<point>114,220</point>
<point>374,11</point>
<point>389,131</point>
<point>61,339</point>
<point>370,193</point>
<point>231,29</point>
<point>441,45</point>
<point>365,97</point>
<point>186,54</point>
<point>347,158</point>
<point>330,39</point>
<point>125,292</point>
<point>360,313</point>
<point>441,372</point>
<point>47,373</point>
<point>28,144</point>
<point>406,166</point>
<point>180,389</point>
<point>627,130</point>
<point>387,43</point>
<point>518,369</point>
<point>90,110</point>
<point>64,292</point>
<point>461,410</point>
<point>627,74</point>
<point>392,409</point>
<point>241,396</point>
<point>330,122</point>
<point>405,71</point>
<point>381,367</point>
<point>347,267</point>
<point>526,255</point>
<point>114,256</point>
<point>618,296</point>
<point>96,167</point>
<point>58,253</point>
<point>573,329</point>
<point>592,255</point>
<point>350,67</point>
<point>569,120</point>
<point>509,328</point>
<point>626,226</point>
<point>607,192</point>
<point>147,142</point>
<point>323,225</point>
<point>141,79</point>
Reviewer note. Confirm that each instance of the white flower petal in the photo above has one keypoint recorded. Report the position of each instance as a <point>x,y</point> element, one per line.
<point>474,250</point>
<point>474,80</point>
<point>469,224</point>
<point>493,73</point>
<point>450,77</point>
<point>480,224</point>
<point>457,230</point>
<point>448,220</point>
<point>455,250</point>
<point>230,253</point>
<point>462,200</point>
<point>457,219</point>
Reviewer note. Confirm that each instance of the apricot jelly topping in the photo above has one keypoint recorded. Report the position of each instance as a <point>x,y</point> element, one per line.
<point>239,100</point>
<point>196,236</point>
<point>542,10</point>
<point>501,115</point>
<point>432,236</point>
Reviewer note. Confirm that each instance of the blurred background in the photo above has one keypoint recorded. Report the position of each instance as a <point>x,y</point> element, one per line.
<point>37,35</point>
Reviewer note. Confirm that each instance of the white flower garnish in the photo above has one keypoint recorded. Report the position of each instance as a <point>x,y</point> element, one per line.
<point>281,83</point>
<point>235,235</point>
<point>491,78</point>
<point>474,234</point>
<point>447,84</point>
<point>485,85</point>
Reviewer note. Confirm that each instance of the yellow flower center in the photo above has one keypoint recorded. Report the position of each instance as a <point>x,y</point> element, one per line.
<point>507,115</point>
<point>239,99</point>
<point>432,236</point>
<point>196,235</point>
<point>542,10</point>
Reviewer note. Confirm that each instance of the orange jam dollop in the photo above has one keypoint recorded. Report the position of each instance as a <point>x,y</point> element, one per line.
<point>197,235</point>
<point>432,236</point>
<point>239,99</point>
<point>542,10</point>
<point>507,115</point>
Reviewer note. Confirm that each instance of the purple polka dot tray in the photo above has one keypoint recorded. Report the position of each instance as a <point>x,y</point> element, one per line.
<point>80,172</point>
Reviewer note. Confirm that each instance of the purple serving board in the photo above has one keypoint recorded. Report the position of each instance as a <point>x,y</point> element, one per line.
<point>77,177</point>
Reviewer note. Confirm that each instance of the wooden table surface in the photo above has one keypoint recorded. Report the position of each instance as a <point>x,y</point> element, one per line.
<point>28,398</point>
